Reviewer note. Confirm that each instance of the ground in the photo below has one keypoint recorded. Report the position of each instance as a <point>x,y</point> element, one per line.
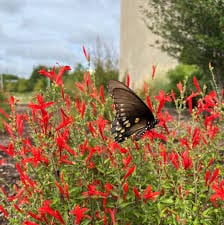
<point>8,173</point>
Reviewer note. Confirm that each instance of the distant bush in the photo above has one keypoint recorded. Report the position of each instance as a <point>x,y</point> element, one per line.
<point>185,73</point>
<point>4,108</point>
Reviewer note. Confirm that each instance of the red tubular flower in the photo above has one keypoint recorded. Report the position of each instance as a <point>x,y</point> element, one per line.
<point>9,150</point>
<point>219,192</point>
<point>162,98</point>
<point>196,84</point>
<point>108,188</point>
<point>210,179</point>
<point>126,161</point>
<point>2,112</point>
<point>129,173</point>
<point>186,160</point>
<point>102,93</point>
<point>27,222</point>
<point>149,103</point>
<point>87,56</point>
<point>45,117</point>
<point>180,87</point>
<point>163,153</point>
<point>148,194</point>
<point>46,209</point>
<point>189,100</point>
<point>63,188</point>
<point>174,158</point>
<point>112,215</point>
<point>125,190</point>
<point>197,135</point>
<point>79,214</point>
<point>153,71</point>
<point>17,208</point>
<point>24,178</point>
<point>146,89</point>
<point>101,123</point>
<point>172,95</point>
<point>3,210</point>
<point>91,129</point>
<point>80,106</point>
<point>136,192</point>
<point>81,87</point>
<point>87,79</point>
<point>92,191</point>
<point>66,120</point>
<point>128,80</point>
<point>9,129</point>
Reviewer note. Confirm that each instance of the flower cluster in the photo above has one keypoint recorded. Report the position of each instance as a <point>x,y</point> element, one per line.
<point>73,172</point>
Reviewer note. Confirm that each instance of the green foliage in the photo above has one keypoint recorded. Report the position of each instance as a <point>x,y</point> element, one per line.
<point>3,107</point>
<point>192,31</point>
<point>23,85</point>
<point>186,73</point>
<point>102,76</point>
<point>75,76</point>
<point>34,79</point>
<point>73,172</point>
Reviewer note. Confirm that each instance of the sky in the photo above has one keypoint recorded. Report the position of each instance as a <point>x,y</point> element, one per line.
<point>47,32</point>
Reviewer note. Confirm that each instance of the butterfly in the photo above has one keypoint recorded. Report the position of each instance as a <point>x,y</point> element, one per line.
<point>132,114</point>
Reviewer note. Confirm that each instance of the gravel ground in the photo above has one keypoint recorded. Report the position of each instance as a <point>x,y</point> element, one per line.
<point>8,173</point>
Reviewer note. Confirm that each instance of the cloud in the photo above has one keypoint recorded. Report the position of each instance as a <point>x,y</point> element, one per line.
<point>36,32</point>
<point>12,6</point>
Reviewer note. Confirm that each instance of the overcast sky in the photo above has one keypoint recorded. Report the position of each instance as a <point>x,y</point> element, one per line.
<point>34,32</point>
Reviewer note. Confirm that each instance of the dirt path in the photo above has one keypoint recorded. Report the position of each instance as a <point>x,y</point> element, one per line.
<point>8,173</point>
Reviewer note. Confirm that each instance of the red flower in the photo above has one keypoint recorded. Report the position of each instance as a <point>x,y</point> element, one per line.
<point>27,222</point>
<point>128,80</point>
<point>93,192</point>
<point>129,173</point>
<point>80,106</point>
<point>162,98</point>
<point>57,78</point>
<point>46,209</point>
<point>149,103</point>
<point>91,129</point>
<point>219,192</point>
<point>197,135</point>
<point>102,93</point>
<point>126,161</point>
<point>4,113</point>
<point>174,158</point>
<point>163,153</point>
<point>180,87</point>
<point>210,179</point>
<point>153,71</point>
<point>112,215</point>
<point>3,210</point>
<point>101,123</point>
<point>196,85</point>
<point>136,192</point>
<point>79,214</point>
<point>87,56</point>
<point>186,160</point>
<point>108,188</point>
<point>125,190</point>
<point>189,100</point>
<point>148,194</point>
<point>63,188</point>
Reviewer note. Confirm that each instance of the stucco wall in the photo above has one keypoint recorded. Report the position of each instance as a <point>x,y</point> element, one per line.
<point>136,53</point>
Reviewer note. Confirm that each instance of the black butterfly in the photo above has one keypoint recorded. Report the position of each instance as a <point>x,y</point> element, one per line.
<point>132,114</point>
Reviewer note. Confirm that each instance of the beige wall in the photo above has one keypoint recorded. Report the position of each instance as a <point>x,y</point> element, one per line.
<point>136,54</point>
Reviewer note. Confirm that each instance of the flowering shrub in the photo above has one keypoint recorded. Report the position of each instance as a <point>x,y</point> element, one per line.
<point>72,172</point>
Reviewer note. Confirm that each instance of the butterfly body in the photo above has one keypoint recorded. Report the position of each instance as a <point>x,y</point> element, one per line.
<point>132,114</point>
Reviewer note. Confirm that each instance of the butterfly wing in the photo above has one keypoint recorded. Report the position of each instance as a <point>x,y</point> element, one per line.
<point>132,114</point>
